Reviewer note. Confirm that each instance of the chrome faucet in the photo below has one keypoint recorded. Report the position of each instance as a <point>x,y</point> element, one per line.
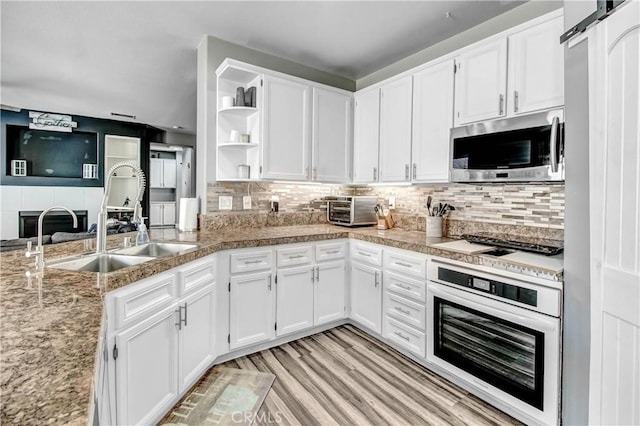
<point>101,234</point>
<point>39,253</point>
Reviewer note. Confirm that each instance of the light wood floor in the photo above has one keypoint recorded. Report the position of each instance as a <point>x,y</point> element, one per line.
<point>343,376</point>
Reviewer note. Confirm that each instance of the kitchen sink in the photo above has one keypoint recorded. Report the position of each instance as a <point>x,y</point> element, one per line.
<point>98,262</point>
<point>156,249</point>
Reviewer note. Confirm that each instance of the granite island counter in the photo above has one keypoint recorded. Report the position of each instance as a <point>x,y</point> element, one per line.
<point>49,332</point>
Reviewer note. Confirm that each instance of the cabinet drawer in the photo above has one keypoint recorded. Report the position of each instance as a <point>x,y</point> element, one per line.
<point>143,299</point>
<point>404,286</point>
<point>197,275</point>
<point>404,310</point>
<point>405,336</point>
<point>256,260</point>
<point>406,263</point>
<point>366,253</point>
<point>290,256</point>
<point>330,251</point>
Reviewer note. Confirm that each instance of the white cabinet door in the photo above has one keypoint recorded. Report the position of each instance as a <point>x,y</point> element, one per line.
<point>366,296</point>
<point>146,369</point>
<point>169,214</point>
<point>251,309</point>
<point>285,153</point>
<point>329,292</point>
<point>536,68</point>
<point>481,83</point>
<point>155,173</point>
<point>196,337</point>
<point>432,119</point>
<point>294,299</point>
<point>366,136</point>
<point>156,214</point>
<point>169,173</point>
<point>395,131</point>
<point>331,136</point>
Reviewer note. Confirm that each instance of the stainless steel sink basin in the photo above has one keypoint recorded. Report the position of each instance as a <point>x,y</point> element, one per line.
<point>156,249</point>
<point>98,262</point>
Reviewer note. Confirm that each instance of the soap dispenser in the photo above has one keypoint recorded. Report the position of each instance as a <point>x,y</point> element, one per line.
<point>143,236</point>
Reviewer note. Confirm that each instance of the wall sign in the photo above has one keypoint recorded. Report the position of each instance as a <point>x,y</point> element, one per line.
<point>47,121</point>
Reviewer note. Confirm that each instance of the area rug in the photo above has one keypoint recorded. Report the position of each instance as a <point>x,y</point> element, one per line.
<point>224,396</point>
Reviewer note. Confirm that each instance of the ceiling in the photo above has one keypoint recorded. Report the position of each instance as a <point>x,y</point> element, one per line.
<point>139,57</point>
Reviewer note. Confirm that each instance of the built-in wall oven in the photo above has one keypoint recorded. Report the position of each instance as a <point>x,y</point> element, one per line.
<point>498,334</point>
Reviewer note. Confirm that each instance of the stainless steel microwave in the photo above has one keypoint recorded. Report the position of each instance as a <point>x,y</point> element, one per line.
<point>521,149</point>
<point>352,210</point>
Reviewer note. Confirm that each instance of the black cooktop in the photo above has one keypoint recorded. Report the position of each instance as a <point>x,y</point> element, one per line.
<point>517,242</point>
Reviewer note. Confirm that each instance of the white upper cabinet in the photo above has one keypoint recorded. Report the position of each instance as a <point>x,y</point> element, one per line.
<point>395,131</point>
<point>331,138</point>
<point>286,129</point>
<point>536,68</point>
<point>163,173</point>
<point>432,119</point>
<point>481,82</point>
<point>366,136</point>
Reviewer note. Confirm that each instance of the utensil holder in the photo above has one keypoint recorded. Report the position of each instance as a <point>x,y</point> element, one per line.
<point>434,226</point>
<point>382,223</point>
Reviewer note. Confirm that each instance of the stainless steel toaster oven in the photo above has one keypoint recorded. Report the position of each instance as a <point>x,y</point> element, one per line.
<point>352,210</point>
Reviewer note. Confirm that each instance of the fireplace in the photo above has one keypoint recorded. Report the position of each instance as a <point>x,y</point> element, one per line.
<point>54,221</point>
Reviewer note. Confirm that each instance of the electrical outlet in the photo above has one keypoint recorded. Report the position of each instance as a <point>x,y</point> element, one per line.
<point>392,202</point>
<point>246,202</point>
<point>225,202</point>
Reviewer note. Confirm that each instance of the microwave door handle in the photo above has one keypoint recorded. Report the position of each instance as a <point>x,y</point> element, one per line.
<point>554,144</point>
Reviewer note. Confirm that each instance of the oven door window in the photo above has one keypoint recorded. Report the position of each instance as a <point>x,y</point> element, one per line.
<point>503,354</point>
<point>514,149</point>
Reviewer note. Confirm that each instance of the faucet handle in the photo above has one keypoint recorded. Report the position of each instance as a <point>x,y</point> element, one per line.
<point>29,251</point>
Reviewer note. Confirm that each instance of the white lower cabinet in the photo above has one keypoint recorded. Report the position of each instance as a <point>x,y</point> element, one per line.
<point>147,368</point>
<point>294,300</point>
<point>196,339</point>
<point>160,343</point>
<point>366,296</point>
<point>251,309</point>
<point>329,292</point>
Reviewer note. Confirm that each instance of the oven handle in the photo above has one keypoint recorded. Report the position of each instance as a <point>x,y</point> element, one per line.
<point>535,320</point>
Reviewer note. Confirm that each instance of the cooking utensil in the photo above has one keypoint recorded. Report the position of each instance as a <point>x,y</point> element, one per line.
<point>429,204</point>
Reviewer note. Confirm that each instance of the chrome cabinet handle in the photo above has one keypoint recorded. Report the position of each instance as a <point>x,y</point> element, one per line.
<point>269,282</point>
<point>333,251</point>
<point>515,100</point>
<point>364,254</point>
<point>297,256</point>
<point>501,104</point>
<point>406,265</point>
<point>179,312</point>
<point>553,142</point>
<point>398,308</point>
<point>185,314</point>
<point>313,275</point>
<point>318,273</point>
<point>251,262</point>
<point>402,286</point>
<point>375,173</point>
<point>415,171</point>
<point>315,173</point>
<point>397,333</point>
<point>376,280</point>
<point>406,172</point>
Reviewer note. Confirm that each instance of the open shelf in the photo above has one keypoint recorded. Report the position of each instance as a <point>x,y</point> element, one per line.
<point>238,145</point>
<point>241,111</point>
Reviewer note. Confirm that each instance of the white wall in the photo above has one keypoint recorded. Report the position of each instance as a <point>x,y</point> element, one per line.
<point>16,198</point>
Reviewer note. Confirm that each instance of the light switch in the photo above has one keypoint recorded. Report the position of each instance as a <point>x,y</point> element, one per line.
<point>225,202</point>
<point>246,202</point>
<point>392,202</point>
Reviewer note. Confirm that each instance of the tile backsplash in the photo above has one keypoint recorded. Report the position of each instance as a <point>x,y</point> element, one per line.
<point>536,205</point>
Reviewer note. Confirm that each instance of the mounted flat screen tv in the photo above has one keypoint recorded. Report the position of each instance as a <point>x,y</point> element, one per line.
<point>51,154</point>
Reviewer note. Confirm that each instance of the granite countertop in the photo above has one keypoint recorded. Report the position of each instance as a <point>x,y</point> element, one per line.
<point>49,331</point>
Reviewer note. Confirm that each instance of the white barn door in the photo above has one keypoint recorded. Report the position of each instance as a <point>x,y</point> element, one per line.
<point>615,217</point>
